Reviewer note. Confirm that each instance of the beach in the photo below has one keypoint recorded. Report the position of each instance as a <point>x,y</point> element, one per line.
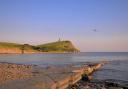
<point>19,76</point>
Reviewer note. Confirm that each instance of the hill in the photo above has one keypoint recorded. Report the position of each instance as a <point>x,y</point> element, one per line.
<point>59,46</point>
<point>6,47</point>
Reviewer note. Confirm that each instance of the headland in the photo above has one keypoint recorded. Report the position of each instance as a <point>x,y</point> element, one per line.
<point>53,47</point>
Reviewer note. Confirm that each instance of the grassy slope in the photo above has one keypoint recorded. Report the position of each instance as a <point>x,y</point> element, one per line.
<point>9,45</point>
<point>60,46</point>
<point>14,46</point>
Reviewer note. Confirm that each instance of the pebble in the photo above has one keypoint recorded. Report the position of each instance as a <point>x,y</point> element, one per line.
<point>91,85</point>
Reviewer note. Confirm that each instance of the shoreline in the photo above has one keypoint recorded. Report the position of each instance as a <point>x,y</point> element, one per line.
<point>96,85</point>
<point>45,53</point>
<point>33,76</point>
<point>52,77</point>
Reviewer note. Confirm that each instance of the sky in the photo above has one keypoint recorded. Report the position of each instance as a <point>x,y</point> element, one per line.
<point>41,21</point>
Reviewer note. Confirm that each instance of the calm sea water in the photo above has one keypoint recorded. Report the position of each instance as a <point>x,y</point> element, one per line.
<point>116,70</point>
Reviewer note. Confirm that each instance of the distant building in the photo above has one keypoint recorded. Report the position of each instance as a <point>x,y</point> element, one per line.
<point>59,40</point>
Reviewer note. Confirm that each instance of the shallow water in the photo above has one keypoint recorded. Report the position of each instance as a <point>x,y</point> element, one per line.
<point>116,70</point>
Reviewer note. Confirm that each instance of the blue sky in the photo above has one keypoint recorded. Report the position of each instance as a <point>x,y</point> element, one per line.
<point>42,21</point>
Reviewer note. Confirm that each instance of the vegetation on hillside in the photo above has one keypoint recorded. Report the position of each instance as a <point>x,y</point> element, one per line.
<point>17,47</point>
<point>59,46</point>
<point>9,45</point>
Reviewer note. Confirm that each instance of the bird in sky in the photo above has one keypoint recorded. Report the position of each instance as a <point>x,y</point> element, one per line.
<point>94,30</point>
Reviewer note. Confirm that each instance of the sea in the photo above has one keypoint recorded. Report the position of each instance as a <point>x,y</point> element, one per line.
<point>116,70</point>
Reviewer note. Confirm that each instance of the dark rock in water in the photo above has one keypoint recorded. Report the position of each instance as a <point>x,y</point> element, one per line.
<point>116,83</point>
<point>94,85</point>
<point>125,87</point>
<point>111,84</point>
<point>86,77</point>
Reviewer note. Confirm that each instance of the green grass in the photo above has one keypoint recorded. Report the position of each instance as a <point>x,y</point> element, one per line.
<point>7,45</point>
<point>60,46</point>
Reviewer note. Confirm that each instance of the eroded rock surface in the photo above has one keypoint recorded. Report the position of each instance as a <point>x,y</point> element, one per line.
<point>18,76</point>
<point>10,71</point>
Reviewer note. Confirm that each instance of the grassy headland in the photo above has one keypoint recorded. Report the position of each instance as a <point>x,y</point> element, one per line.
<point>59,46</point>
<point>6,47</point>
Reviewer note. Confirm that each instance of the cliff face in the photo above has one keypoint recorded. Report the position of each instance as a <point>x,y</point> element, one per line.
<point>60,46</point>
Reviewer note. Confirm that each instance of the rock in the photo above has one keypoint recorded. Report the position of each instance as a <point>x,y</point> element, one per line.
<point>94,85</point>
<point>86,77</point>
<point>10,71</point>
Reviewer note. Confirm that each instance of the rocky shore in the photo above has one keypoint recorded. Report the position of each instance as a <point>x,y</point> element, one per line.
<point>11,71</point>
<point>95,85</point>
<point>20,76</point>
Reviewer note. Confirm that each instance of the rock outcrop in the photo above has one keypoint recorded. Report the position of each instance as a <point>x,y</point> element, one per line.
<point>17,76</point>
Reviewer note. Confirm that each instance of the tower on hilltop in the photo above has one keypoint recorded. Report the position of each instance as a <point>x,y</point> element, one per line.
<point>59,40</point>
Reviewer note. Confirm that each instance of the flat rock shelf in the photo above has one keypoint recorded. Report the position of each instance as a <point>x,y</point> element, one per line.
<point>19,76</point>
